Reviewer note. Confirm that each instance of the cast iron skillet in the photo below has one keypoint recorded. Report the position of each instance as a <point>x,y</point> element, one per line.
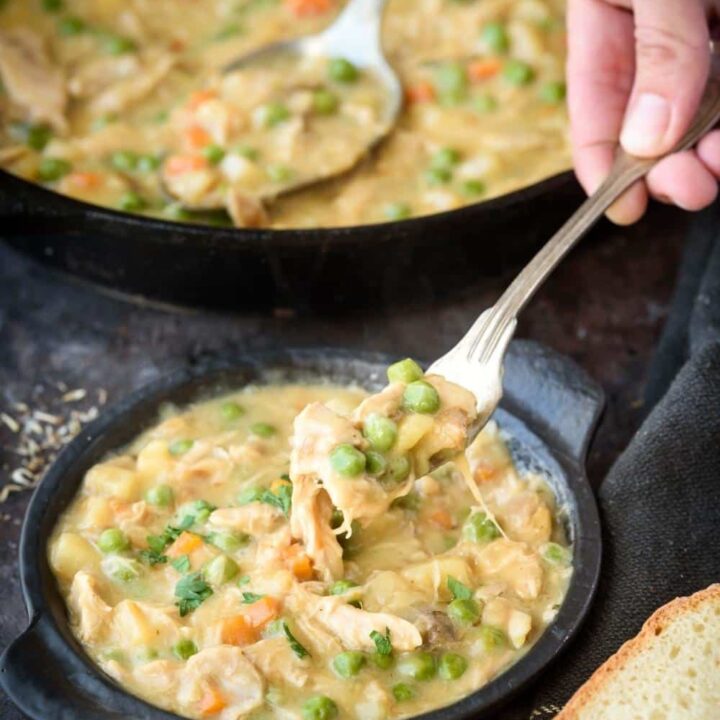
<point>319,270</point>
<point>550,408</point>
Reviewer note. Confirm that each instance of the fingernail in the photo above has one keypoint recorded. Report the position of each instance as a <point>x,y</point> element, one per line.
<point>645,125</point>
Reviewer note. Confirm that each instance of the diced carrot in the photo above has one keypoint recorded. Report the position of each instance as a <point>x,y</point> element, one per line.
<point>197,137</point>
<point>184,545</point>
<point>212,701</point>
<point>199,97</point>
<point>277,484</point>
<point>484,473</point>
<point>420,92</point>
<point>480,70</point>
<point>177,45</point>
<point>305,8</point>
<point>85,180</point>
<point>237,630</point>
<point>181,164</point>
<point>261,612</point>
<point>302,568</point>
<point>443,519</point>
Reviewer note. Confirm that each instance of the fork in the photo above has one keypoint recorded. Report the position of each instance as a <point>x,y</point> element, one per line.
<point>476,361</point>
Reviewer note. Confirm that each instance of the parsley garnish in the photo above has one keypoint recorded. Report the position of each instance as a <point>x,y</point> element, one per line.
<point>281,499</point>
<point>382,642</point>
<point>152,557</point>
<point>181,564</point>
<point>244,580</point>
<point>458,590</point>
<point>191,592</point>
<point>295,646</point>
<point>249,598</point>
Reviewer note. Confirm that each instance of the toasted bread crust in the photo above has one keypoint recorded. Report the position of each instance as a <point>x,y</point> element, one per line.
<point>652,627</point>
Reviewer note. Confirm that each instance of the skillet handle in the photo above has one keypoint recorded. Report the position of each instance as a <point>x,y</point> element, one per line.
<point>561,399</point>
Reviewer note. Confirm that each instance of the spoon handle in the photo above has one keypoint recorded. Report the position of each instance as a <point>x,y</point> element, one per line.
<point>625,171</point>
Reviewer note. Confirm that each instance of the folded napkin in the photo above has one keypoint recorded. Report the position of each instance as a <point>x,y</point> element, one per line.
<point>660,503</point>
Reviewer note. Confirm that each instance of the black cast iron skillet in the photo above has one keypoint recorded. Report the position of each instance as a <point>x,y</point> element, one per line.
<point>318,270</point>
<point>550,409</point>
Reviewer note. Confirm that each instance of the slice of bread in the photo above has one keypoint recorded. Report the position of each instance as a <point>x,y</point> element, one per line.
<point>669,671</point>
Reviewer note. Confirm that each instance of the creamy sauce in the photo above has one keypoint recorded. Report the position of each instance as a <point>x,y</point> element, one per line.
<point>120,104</point>
<point>186,583</point>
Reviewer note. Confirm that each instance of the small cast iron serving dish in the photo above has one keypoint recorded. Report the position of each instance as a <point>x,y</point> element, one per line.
<point>550,410</point>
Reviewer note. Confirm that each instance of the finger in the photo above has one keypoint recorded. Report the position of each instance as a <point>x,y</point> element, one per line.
<point>672,62</point>
<point>708,151</point>
<point>601,67</point>
<point>630,206</point>
<point>684,180</point>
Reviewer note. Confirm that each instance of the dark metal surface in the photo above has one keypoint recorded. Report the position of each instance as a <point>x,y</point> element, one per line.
<point>330,270</point>
<point>604,307</point>
<point>555,409</point>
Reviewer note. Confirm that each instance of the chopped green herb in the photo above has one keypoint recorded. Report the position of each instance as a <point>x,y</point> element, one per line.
<point>382,642</point>
<point>458,590</point>
<point>250,598</point>
<point>244,580</point>
<point>191,591</point>
<point>181,564</point>
<point>295,645</point>
<point>152,557</point>
<point>180,447</point>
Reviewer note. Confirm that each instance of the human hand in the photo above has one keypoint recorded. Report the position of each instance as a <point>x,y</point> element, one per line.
<point>636,71</point>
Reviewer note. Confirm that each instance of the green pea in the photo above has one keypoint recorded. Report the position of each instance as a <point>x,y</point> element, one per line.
<point>445,159</point>
<point>263,429</point>
<point>480,528</point>
<point>118,45</point>
<point>405,371</point>
<point>492,638</point>
<point>348,664</point>
<point>324,102</point>
<point>347,460</point>
<point>131,201</point>
<point>398,469</point>
<point>52,169</point>
<point>339,587</point>
<point>319,707</point>
<point>451,83</point>
<point>437,176</point>
<point>38,136</point>
<point>52,5</point>
<point>273,114</point>
<point>382,662</point>
<point>279,173</point>
<point>227,541</point>
<point>123,569</point>
<point>421,397</point>
<point>553,93</point>
<point>402,692</point>
<point>517,72</point>
<point>556,554</point>
<point>220,570</point>
<point>124,160</point>
<point>148,163</point>
<point>180,447</point>
<point>231,411</point>
<point>485,103</point>
<point>452,666</point>
<point>464,611</point>
<point>184,649</point>
<point>160,495</point>
<point>71,26</point>
<point>213,154</point>
<point>411,502</point>
<point>375,463</point>
<point>472,187</point>
<point>380,432</point>
<point>397,211</point>
<point>495,37</point>
<point>113,540</point>
<point>342,71</point>
<point>418,666</point>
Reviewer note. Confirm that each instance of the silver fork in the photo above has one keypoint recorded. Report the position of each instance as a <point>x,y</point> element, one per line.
<point>476,361</point>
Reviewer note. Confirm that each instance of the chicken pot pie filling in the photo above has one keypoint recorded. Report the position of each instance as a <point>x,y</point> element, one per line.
<point>304,552</point>
<point>124,105</point>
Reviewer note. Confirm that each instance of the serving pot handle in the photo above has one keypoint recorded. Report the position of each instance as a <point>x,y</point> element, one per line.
<point>562,401</point>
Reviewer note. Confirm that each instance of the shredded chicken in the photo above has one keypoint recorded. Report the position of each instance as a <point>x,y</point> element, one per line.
<point>277,662</point>
<point>85,602</point>
<point>254,518</point>
<point>32,80</point>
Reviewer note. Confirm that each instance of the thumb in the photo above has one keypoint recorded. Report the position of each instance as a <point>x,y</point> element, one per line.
<point>672,64</point>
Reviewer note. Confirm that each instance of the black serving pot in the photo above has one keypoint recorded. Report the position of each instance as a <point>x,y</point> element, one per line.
<point>550,410</point>
<point>315,270</point>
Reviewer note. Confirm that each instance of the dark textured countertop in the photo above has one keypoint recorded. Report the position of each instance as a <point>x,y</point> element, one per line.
<point>604,307</point>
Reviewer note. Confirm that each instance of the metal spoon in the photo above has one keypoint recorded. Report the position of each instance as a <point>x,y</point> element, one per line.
<point>355,36</point>
<point>476,361</point>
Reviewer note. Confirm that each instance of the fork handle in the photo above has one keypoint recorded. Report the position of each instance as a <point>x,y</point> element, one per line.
<point>625,171</point>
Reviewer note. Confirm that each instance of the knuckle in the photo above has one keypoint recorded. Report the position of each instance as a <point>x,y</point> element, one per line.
<point>665,47</point>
